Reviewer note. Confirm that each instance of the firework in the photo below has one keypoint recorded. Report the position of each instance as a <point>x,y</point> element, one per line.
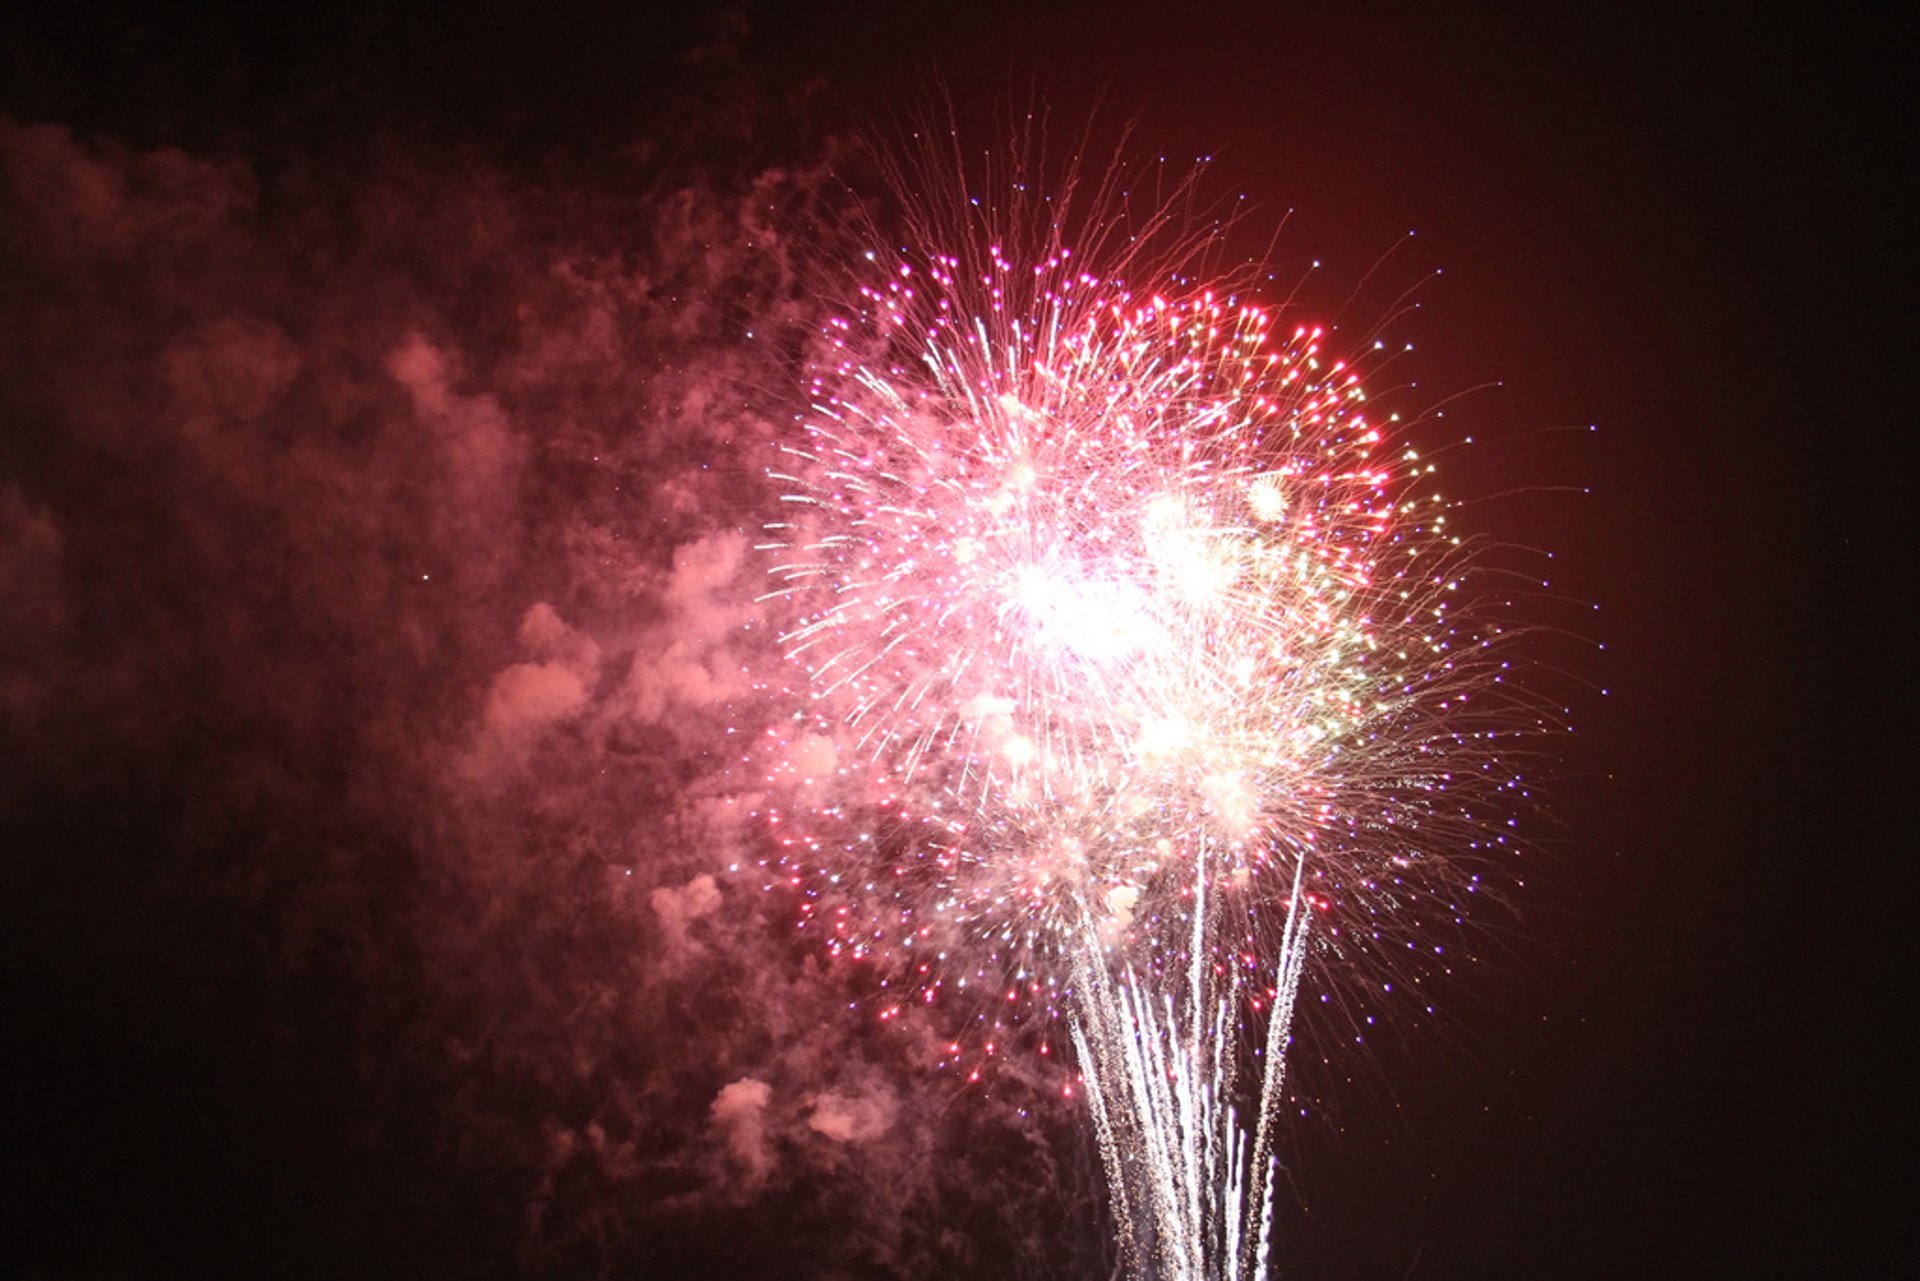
<point>1126,645</point>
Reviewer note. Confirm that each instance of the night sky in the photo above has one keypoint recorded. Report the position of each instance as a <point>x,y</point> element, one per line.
<point>378,401</point>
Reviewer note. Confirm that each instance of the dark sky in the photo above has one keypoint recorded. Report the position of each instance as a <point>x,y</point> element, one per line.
<point>372,397</point>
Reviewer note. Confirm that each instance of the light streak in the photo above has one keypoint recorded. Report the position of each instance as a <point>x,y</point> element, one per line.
<point>1192,1189</point>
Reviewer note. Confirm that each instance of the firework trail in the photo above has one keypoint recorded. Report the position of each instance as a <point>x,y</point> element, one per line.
<point>1126,648</point>
<point>1190,1196</point>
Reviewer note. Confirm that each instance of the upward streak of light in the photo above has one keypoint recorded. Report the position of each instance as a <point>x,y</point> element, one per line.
<point>1192,1190</point>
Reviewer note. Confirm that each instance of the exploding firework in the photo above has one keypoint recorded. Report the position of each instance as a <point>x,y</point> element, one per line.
<point>1126,645</point>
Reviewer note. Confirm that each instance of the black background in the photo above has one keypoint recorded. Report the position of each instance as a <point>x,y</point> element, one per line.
<point>1677,227</point>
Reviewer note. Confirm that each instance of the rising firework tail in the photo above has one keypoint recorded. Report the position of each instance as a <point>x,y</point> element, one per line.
<point>1124,646</point>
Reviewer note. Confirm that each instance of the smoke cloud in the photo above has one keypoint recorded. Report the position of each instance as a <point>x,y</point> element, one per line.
<point>381,636</point>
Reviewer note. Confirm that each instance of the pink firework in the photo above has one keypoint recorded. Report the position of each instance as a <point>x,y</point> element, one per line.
<point>1094,592</point>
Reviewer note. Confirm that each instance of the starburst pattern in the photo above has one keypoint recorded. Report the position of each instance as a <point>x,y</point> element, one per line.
<point>1124,645</point>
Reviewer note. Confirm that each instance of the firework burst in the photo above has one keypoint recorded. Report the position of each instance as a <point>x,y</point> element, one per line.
<point>1126,643</point>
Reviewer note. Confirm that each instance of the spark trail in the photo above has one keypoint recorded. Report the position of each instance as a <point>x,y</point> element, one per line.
<point>1191,1197</point>
<point>1126,647</point>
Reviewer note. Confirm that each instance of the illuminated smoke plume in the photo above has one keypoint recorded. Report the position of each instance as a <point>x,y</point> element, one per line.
<point>377,605</point>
